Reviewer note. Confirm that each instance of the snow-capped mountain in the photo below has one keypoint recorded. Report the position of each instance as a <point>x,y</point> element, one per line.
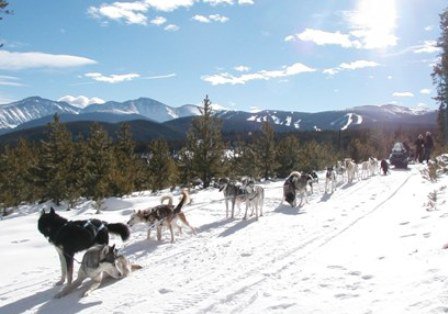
<point>146,107</point>
<point>36,111</point>
<point>37,108</point>
<point>16,113</point>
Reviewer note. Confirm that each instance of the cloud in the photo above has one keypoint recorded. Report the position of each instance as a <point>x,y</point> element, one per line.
<point>134,12</point>
<point>322,38</point>
<point>10,81</point>
<point>159,20</point>
<point>403,94</point>
<point>114,78</point>
<point>31,60</point>
<point>241,68</point>
<point>429,28</point>
<point>246,2</point>
<point>429,46</point>
<point>171,28</point>
<point>81,101</point>
<point>285,71</point>
<point>355,65</point>
<point>129,12</point>
<point>157,77</point>
<point>425,91</point>
<point>210,18</point>
<point>218,2</point>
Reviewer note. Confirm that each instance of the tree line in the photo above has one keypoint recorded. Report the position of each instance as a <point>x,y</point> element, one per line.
<point>67,168</point>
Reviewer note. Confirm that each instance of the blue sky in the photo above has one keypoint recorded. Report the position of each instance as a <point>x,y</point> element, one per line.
<point>298,55</point>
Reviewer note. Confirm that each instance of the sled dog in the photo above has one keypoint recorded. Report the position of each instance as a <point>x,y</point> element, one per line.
<point>330,179</point>
<point>296,182</point>
<point>72,236</point>
<point>234,193</point>
<point>384,166</point>
<point>254,199</point>
<point>98,262</point>
<point>162,215</point>
<point>352,169</point>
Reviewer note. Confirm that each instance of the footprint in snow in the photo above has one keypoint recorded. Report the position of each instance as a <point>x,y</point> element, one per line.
<point>165,291</point>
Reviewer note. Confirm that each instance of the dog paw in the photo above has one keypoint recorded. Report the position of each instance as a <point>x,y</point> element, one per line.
<point>59,283</point>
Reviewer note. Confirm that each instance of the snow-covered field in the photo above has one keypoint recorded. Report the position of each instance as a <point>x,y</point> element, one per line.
<point>374,246</point>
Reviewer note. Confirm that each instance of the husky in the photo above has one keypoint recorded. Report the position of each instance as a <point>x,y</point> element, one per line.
<point>384,166</point>
<point>162,215</point>
<point>255,199</point>
<point>98,262</point>
<point>330,179</point>
<point>374,165</point>
<point>296,182</point>
<point>352,169</point>
<point>365,170</point>
<point>234,193</point>
<point>72,236</point>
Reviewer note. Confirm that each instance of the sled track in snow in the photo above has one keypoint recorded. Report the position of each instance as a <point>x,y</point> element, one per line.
<point>234,284</point>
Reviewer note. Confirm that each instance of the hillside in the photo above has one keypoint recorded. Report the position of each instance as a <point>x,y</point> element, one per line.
<point>374,246</point>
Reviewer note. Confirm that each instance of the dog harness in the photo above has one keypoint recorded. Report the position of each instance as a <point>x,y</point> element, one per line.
<point>93,228</point>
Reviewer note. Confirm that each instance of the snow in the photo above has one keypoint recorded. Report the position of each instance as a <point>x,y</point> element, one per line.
<point>373,246</point>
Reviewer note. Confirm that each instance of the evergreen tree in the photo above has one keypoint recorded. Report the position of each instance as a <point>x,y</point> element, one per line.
<point>265,149</point>
<point>16,184</point>
<point>205,143</point>
<point>288,155</point>
<point>124,168</point>
<point>162,168</point>
<point>55,158</point>
<point>440,78</point>
<point>99,157</point>
<point>244,162</point>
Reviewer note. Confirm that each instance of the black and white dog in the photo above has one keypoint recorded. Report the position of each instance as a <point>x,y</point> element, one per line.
<point>98,262</point>
<point>296,182</point>
<point>70,237</point>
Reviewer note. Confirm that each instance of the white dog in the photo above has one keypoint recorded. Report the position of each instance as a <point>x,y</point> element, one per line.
<point>330,179</point>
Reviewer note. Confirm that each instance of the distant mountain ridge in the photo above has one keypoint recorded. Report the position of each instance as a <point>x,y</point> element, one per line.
<point>35,112</point>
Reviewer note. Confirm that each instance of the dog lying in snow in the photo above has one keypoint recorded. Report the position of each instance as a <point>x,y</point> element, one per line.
<point>98,262</point>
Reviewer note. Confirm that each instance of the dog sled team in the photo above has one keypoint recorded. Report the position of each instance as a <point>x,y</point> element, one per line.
<point>101,260</point>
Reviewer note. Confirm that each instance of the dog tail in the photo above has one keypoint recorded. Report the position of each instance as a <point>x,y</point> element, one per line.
<point>184,199</point>
<point>121,229</point>
<point>135,267</point>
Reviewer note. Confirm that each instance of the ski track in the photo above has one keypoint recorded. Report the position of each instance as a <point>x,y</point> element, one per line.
<point>223,269</point>
<point>199,291</point>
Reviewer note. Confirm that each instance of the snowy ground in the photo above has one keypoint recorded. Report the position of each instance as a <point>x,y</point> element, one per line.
<point>374,246</point>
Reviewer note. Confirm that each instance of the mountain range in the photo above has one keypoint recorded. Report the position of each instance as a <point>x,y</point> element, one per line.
<point>154,119</point>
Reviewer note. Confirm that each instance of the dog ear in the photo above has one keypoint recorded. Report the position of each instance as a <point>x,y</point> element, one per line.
<point>104,251</point>
<point>42,212</point>
<point>52,211</point>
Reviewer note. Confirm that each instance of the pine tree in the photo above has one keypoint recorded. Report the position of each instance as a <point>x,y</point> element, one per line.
<point>99,163</point>
<point>124,168</point>
<point>16,184</point>
<point>440,78</point>
<point>162,168</point>
<point>265,149</point>
<point>205,143</point>
<point>54,163</point>
<point>288,155</point>
<point>244,161</point>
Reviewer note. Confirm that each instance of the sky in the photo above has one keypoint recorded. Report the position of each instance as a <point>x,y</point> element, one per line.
<point>292,55</point>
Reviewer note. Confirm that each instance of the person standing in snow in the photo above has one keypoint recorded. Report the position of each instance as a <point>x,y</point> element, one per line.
<point>419,148</point>
<point>429,144</point>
